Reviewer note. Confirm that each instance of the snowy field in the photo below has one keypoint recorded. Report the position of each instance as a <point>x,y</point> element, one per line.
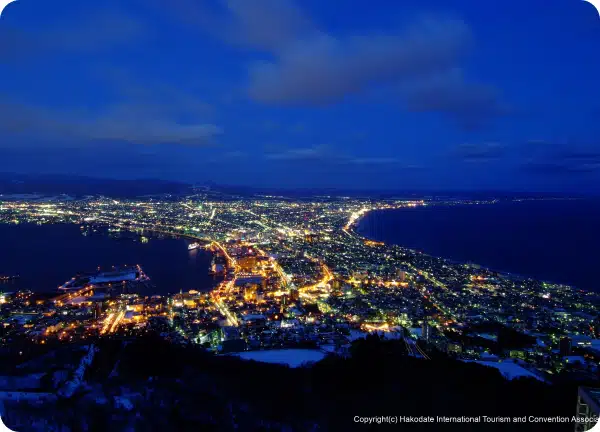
<point>291,357</point>
<point>509,369</point>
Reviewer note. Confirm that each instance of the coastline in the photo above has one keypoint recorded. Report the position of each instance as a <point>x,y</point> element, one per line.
<point>353,228</point>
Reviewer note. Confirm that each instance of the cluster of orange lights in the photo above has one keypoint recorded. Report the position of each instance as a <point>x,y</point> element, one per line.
<point>372,328</point>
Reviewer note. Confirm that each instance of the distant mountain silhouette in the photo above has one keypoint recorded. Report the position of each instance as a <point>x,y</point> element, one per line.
<point>77,186</point>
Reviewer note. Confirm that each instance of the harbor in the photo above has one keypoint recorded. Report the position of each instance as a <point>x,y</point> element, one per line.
<point>165,260</point>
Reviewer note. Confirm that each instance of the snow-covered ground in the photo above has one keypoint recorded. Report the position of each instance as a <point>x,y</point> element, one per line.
<point>73,384</point>
<point>16,383</point>
<point>509,369</point>
<point>357,334</point>
<point>291,357</point>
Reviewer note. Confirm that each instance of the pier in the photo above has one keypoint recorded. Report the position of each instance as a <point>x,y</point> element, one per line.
<point>84,286</point>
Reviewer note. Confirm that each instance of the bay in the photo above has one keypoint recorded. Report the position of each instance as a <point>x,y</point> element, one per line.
<point>45,256</point>
<point>550,240</point>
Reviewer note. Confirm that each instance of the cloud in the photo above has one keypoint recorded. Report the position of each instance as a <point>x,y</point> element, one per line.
<point>140,112</point>
<point>234,154</point>
<point>323,69</point>
<point>136,124</point>
<point>471,105</point>
<point>480,152</point>
<point>100,29</point>
<point>301,154</point>
<point>110,160</point>
<point>309,66</point>
<point>160,97</point>
<point>534,156</point>
<point>120,122</point>
<point>325,155</point>
<point>229,157</point>
<point>372,161</point>
<point>564,161</point>
<point>553,168</point>
<point>266,25</point>
<point>585,156</point>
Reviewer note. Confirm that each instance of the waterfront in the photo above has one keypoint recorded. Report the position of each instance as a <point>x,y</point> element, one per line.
<point>45,256</point>
<point>554,240</point>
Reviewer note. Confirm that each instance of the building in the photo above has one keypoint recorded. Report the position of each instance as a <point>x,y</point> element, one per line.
<point>426,332</point>
<point>97,310</point>
<point>250,293</point>
<point>401,275</point>
<point>294,295</point>
<point>454,347</point>
<point>565,347</point>
<point>311,238</point>
<point>247,263</point>
<point>231,341</point>
<point>588,407</point>
<point>517,353</point>
<point>250,279</point>
<point>596,327</point>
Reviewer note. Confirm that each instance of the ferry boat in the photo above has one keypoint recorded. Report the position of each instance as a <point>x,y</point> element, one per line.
<point>193,246</point>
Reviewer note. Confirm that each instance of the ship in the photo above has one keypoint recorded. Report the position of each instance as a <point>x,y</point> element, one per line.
<point>193,246</point>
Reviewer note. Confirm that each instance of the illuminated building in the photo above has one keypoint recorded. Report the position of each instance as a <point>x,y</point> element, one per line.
<point>454,347</point>
<point>250,292</point>
<point>401,275</point>
<point>427,331</point>
<point>294,295</point>
<point>311,238</point>
<point>247,264</point>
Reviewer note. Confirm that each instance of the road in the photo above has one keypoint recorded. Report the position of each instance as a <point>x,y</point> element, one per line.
<point>225,286</point>
<point>414,349</point>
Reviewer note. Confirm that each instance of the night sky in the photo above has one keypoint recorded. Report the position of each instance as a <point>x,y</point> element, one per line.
<point>411,94</point>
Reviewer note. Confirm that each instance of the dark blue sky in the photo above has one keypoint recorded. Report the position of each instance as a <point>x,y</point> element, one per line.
<point>428,94</point>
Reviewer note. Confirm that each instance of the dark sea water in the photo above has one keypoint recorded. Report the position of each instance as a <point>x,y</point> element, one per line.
<point>45,256</point>
<point>556,241</point>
